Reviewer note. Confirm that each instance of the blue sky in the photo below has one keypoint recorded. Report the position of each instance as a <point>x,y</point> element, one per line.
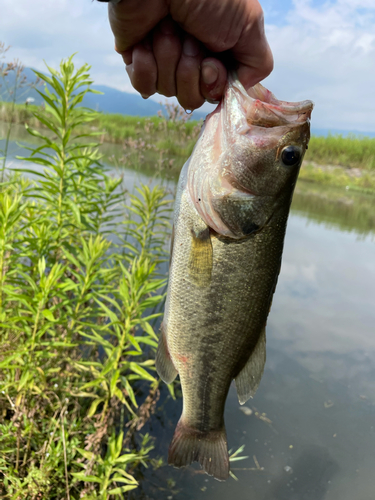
<point>323,50</point>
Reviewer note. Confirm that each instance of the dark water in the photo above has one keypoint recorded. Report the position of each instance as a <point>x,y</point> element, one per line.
<point>318,389</point>
<point>311,434</point>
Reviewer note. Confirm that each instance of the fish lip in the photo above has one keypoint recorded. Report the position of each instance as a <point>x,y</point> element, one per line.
<point>262,109</point>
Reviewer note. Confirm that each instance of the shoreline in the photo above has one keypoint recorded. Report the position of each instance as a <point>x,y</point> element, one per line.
<point>343,162</point>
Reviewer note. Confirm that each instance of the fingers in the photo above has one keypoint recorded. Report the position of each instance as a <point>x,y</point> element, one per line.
<point>143,69</point>
<point>178,61</point>
<point>213,79</point>
<point>167,52</point>
<point>132,20</point>
<point>229,25</point>
<point>188,74</point>
<point>249,75</point>
<point>173,62</point>
<point>172,67</point>
<point>252,50</point>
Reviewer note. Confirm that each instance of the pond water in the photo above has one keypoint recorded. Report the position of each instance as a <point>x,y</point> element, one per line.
<point>311,431</point>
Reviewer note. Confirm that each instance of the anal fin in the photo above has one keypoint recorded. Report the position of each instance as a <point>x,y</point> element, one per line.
<point>248,380</point>
<point>163,362</point>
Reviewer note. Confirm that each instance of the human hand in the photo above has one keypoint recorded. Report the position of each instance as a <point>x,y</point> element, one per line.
<point>169,46</point>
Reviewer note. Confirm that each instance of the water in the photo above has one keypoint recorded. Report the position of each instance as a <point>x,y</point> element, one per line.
<point>311,434</point>
<point>318,388</point>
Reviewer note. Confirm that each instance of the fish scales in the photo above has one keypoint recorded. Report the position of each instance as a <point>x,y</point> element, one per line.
<point>226,257</point>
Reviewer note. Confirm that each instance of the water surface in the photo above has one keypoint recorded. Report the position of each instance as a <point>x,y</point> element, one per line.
<point>311,434</point>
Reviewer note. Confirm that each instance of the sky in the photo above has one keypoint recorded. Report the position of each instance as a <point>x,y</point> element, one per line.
<point>323,50</point>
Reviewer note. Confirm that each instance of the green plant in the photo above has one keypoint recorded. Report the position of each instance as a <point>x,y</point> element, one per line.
<point>11,90</point>
<point>80,293</point>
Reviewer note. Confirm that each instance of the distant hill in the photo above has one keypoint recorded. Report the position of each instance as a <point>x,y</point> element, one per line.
<point>334,131</point>
<point>112,100</point>
<point>125,103</point>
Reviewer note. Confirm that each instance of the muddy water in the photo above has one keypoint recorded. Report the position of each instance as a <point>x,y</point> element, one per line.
<point>311,431</point>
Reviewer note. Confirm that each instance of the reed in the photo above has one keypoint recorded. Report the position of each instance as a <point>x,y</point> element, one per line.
<point>350,152</point>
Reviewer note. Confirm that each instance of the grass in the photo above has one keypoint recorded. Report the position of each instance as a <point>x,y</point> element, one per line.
<point>363,181</point>
<point>349,152</point>
<point>178,136</point>
<point>171,132</point>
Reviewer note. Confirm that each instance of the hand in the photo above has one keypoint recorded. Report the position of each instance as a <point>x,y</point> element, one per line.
<point>169,46</point>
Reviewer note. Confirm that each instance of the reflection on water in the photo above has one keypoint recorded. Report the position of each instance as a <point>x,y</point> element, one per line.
<point>312,429</point>
<point>112,154</point>
<point>318,389</point>
<point>336,208</point>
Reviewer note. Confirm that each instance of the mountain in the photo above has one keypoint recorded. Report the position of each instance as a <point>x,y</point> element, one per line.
<point>336,131</point>
<point>111,101</point>
<point>125,103</point>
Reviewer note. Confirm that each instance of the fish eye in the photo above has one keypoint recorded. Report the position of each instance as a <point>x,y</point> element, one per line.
<point>290,156</point>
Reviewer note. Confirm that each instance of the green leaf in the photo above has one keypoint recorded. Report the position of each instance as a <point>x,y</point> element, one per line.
<point>94,406</point>
<point>122,489</point>
<point>129,390</point>
<point>120,395</point>
<point>87,454</point>
<point>127,457</point>
<point>47,313</point>
<point>88,479</point>
<point>171,390</point>
<point>141,371</point>
<point>114,381</point>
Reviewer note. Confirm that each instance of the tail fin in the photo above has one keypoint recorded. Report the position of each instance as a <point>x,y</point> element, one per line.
<point>209,449</point>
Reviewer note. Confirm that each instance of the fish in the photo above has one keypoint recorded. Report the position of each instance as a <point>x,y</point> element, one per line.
<point>231,211</point>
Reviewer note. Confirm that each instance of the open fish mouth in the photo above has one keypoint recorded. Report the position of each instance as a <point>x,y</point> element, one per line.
<point>262,109</point>
<point>249,153</point>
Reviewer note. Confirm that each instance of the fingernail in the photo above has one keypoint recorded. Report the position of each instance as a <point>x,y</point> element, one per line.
<point>145,96</point>
<point>167,27</point>
<point>191,47</point>
<point>210,73</point>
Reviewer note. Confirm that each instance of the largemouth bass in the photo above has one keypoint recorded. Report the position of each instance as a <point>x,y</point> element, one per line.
<point>231,211</point>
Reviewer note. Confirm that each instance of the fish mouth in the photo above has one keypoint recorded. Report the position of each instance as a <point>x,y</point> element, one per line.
<point>262,109</point>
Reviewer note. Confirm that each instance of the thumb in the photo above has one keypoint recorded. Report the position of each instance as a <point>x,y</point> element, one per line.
<point>255,69</point>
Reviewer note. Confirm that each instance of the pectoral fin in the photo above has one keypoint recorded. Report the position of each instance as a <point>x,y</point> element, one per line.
<point>163,362</point>
<point>201,258</point>
<point>248,380</point>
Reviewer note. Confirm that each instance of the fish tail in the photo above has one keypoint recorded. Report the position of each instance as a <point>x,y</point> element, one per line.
<point>208,448</point>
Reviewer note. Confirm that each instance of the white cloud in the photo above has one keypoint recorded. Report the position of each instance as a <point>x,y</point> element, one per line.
<point>52,30</point>
<point>324,52</point>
